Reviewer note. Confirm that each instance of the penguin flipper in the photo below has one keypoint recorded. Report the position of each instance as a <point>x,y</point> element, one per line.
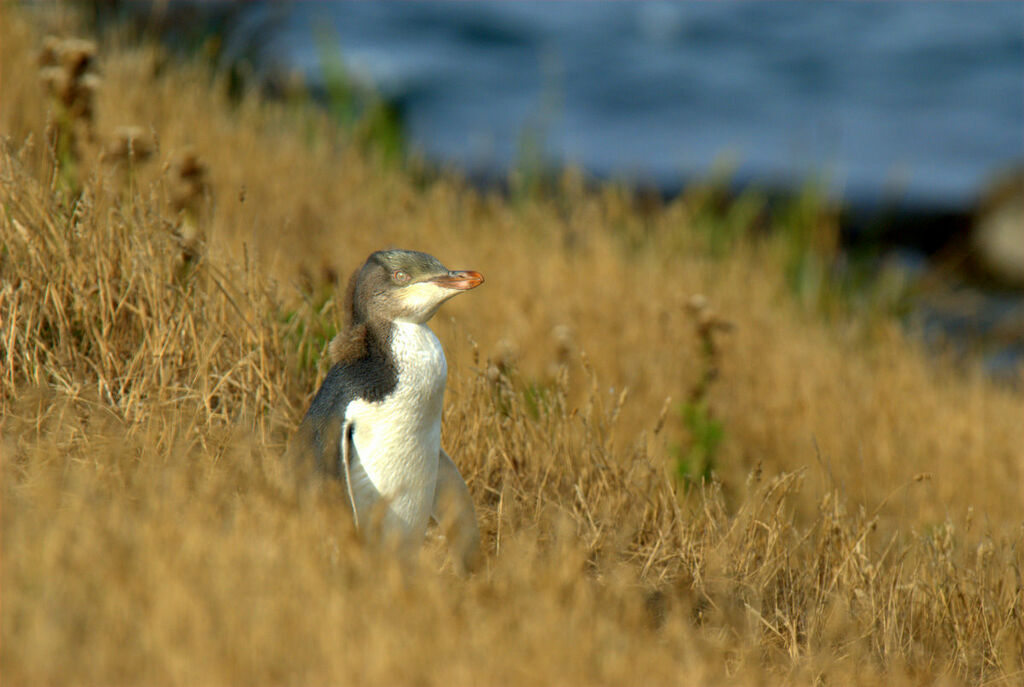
<point>453,510</point>
<point>325,435</point>
<point>346,466</point>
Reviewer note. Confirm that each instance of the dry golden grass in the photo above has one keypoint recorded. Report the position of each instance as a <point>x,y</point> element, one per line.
<point>865,527</point>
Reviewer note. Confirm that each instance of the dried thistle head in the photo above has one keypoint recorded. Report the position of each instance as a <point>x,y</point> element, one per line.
<point>189,191</point>
<point>49,54</point>
<point>564,343</point>
<point>131,145</point>
<point>190,238</point>
<point>78,55</point>
<point>708,322</point>
<point>564,346</point>
<point>189,185</point>
<point>507,355</point>
<point>67,69</point>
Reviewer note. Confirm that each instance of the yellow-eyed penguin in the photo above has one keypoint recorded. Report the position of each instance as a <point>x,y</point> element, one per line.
<point>376,420</point>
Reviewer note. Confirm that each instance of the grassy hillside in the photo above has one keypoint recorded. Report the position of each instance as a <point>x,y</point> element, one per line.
<point>170,274</point>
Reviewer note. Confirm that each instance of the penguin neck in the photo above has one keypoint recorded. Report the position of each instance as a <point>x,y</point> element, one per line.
<point>378,336</point>
<point>410,348</point>
<point>413,339</point>
<point>420,362</point>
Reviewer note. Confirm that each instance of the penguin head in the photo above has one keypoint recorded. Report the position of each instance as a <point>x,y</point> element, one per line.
<point>405,286</point>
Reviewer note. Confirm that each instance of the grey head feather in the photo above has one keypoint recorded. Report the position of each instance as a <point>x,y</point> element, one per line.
<point>372,288</point>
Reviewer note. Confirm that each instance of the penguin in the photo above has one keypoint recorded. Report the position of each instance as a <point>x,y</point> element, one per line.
<point>375,422</point>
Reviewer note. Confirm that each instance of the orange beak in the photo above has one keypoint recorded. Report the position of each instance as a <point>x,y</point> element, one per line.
<point>463,281</point>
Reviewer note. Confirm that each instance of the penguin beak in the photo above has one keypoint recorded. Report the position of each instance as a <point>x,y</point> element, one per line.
<point>462,281</point>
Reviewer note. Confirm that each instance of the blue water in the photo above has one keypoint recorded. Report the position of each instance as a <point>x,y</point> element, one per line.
<point>915,101</point>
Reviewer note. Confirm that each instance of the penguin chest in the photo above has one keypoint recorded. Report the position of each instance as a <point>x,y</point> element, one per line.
<point>398,439</point>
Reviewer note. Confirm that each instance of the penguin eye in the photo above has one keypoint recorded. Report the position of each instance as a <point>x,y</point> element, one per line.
<point>400,276</point>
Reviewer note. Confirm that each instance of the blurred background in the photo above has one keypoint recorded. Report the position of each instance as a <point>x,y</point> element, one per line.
<point>920,103</point>
<point>907,117</point>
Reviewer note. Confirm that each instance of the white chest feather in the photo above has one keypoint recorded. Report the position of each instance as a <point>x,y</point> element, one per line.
<point>398,440</point>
